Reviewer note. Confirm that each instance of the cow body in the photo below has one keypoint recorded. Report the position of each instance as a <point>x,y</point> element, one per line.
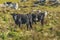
<point>39,17</point>
<point>22,19</point>
<point>29,19</point>
<point>34,18</point>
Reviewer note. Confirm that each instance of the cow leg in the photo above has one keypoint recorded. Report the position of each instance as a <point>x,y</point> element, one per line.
<point>20,25</point>
<point>30,25</point>
<point>42,19</point>
<point>16,23</point>
<point>27,26</point>
<point>42,22</point>
<point>35,22</point>
<point>27,23</point>
<point>20,22</point>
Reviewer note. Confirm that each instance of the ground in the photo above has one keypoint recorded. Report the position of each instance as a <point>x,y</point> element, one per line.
<point>10,31</point>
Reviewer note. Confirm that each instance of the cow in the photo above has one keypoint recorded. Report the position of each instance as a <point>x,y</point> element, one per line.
<point>7,3</point>
<point>39,17</point>
<point>53,2</point>
<point>23,19</point>
<point>34,18</point>
<point>11,5</point>
<point>30,21</point>
<point>41,2</point>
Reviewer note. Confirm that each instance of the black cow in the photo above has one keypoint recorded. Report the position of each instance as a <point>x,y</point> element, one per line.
<point>52,0</point>
<point>7,3</point>
<point>39,17</point>
<point>23,19</point>
<point>41,2</point>
<point>34,18</point>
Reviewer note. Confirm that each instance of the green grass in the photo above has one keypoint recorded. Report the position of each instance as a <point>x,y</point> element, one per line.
<point>2,1</point>
<point>8,30</point>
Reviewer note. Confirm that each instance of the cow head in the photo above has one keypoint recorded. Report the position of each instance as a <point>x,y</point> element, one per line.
<point>14,16</point>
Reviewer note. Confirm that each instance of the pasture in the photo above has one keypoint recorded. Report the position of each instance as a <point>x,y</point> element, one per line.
<point>2,1</point>
<point>10,31</point>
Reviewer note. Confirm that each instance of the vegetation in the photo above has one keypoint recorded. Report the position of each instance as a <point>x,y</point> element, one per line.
<point>2,1</point>
<point>10,31</point>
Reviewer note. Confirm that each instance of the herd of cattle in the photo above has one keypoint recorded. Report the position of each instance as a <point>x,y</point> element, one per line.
<point>29,18</point>
<point>43,2</point>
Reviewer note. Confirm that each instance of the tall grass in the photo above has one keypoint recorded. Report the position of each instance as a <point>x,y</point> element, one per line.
<point>10,31</point>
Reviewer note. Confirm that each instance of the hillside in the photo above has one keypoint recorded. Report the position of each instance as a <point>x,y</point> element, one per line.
<point>2,1</point>
<point>10,31</point>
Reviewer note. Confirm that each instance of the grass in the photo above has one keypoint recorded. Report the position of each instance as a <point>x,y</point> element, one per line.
<point>2,1</point>
<point>10,31</point>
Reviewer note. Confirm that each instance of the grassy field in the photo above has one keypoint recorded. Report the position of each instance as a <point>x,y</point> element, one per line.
<point>10,31</point>
<point>2,1</point>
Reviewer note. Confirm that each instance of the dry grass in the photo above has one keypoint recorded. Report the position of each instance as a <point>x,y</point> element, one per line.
<point>8,31</point>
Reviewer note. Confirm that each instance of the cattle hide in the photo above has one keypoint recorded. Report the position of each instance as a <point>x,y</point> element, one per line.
<point>23,19</point>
